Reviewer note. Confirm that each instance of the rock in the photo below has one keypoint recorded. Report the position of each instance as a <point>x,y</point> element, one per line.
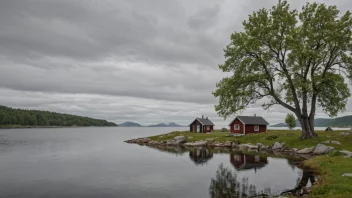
<point>264,148</point>
<point>335,142</point>
<point>179,139</point>
<point>142,140</point>
<point>247,146</point>
<point>295,150</point>
<point>153,142</point>
<point>228,144</point>
<point>323,149</point>
<point>346,153</point>
<point>209,139</point>
<point>277,146</point>
<point>331,142</point>
<point>347,175</point>
<point>307,190</point>
<point>197,143</point>
<point>306,150</point>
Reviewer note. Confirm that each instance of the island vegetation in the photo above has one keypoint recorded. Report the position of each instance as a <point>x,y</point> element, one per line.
<point>298,59</point>
<point>15,118</point>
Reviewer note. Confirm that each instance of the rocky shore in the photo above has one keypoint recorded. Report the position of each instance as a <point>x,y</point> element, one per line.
<point>319,149</point>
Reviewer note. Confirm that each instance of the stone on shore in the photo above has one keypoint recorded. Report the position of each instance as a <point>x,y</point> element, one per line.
<point>295,150</point>
<point>346,153</point>
<point>331,142</point>
<point>259,144</point>
<point>306,150</point>
<point>196,143</point>
<point>179,139</point>
<point>323,149</point>
<point>277,146</point>
<point>247,146</point>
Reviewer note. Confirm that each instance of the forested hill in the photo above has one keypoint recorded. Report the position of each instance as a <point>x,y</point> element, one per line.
<point>10,116</point>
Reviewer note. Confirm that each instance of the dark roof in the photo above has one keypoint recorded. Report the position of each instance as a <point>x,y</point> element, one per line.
<point>204,121</point>
<point>251,120</point>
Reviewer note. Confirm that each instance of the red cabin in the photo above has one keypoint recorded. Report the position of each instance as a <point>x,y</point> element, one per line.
<point>201,125</point>
<point>248,124</point>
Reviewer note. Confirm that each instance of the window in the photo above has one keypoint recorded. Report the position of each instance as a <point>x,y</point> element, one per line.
<point>256,128</point>
<point>208,127</point>
<point>237,127</point>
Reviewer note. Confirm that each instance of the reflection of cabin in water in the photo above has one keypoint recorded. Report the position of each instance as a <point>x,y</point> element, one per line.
<point>201,125</point>
<point>242,161</point>
<point>200,156</point>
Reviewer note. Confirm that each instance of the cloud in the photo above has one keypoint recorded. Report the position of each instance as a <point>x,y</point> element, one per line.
<point>124,59</point>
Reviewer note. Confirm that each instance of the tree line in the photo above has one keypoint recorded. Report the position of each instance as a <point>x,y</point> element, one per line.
<point>11,116</point>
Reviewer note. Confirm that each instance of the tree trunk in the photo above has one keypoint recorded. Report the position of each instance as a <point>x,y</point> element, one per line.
<point>307,128</point>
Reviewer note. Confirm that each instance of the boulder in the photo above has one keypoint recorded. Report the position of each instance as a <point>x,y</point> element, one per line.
<point>153,142</point>
<point>264,148</point>
<point>277,146</point>
<point>306,150</point>
<point>247,146</point>
<point>346,153</point>
<point>179,139</point>
<point>323,149</point>
<point>335,142</point>
<point>209,139</point>
<point>197,143</point>
<point>331,142</point>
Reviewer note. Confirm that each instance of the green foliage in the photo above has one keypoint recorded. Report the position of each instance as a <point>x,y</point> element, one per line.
<point>20,117</point>
<point>290,120</point>
<point>296,59</point>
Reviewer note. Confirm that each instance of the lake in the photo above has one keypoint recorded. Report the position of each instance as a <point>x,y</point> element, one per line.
<point>95,162</point>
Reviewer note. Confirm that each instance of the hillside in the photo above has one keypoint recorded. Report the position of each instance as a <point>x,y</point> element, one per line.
<point>172,124</point>
<point>129,124</point>
<point>343,122</point>
<point>21,117</point>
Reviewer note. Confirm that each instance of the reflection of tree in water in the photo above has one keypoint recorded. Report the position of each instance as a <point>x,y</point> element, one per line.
<point>226,185</point>
<point>200,155</point>
<point>307,176</point>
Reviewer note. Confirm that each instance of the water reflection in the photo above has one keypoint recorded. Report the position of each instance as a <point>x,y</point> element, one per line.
<point>243,161</point>
<point>200,155</point>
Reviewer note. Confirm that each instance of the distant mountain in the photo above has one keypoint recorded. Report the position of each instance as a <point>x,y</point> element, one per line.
<point>129,124</point>
<point>343,122</point>
<point>172,124</point>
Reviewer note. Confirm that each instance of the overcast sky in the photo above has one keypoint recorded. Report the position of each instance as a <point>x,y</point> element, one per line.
<point>123,60</point>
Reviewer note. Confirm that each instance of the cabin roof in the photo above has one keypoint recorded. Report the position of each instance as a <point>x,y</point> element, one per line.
<point>251,120</point>
<point>204,121</point>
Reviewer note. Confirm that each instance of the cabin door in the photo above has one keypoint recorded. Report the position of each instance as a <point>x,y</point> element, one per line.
<point>198,128</point>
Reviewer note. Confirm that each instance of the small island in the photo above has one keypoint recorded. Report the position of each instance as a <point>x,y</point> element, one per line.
<point>330,146</point>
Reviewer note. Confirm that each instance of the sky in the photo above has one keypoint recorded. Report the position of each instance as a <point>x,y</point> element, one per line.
<point>124,60</point>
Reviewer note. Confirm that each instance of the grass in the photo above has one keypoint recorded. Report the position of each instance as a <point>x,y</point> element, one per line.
<point>329,167</point>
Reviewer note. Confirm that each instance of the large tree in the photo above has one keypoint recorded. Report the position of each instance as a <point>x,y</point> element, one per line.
<point>296,59</point>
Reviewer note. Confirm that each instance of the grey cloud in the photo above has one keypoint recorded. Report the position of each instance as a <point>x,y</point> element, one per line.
<point>134,60</point>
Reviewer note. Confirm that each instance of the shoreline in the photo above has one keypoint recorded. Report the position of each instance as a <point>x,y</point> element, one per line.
<point>329,155</point>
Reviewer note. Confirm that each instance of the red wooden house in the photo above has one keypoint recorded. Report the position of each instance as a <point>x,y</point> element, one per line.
<point>201,125</point>
<point>248,124</point>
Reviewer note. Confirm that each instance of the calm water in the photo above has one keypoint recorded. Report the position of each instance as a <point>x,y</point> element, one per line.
<point>95,162</point>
